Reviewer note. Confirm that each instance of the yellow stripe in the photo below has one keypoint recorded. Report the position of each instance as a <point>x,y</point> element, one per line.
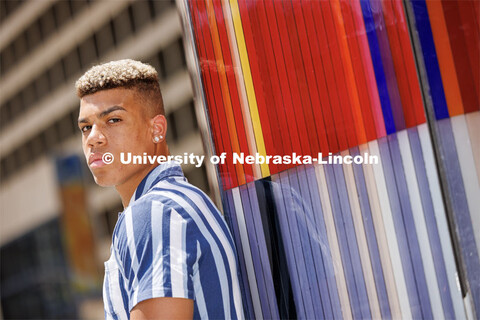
<point>247,76</point>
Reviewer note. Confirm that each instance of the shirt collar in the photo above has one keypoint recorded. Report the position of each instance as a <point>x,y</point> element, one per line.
<point>158,173</point>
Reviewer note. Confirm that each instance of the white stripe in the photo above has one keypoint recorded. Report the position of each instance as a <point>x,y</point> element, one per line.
<point>252,280</point>
<point>361,238</point>
<point>112,272</point>
<point>440,216</point>
<point>333,242</point>
<point>178,256</point>
<point>197,287</point>
<point>420,225</point>
<point>133,254</point>
<point>467,168</point>
<point>391,234</point>
<point>106,292</point>
<point>473,124</point>
<point>117,299</point>
<point>157,246</point>
<point>237,65</point>
<point>381,236</point>
<point>237,297</point>
<point>218,232</point>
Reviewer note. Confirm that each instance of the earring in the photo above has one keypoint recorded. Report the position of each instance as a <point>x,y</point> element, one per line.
<point>161,137</point>
<point>156,139</point>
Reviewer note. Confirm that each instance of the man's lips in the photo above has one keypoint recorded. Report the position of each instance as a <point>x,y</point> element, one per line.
<point>95,160</point>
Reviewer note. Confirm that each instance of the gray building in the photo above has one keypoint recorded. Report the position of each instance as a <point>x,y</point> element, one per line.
<point>44,47</point>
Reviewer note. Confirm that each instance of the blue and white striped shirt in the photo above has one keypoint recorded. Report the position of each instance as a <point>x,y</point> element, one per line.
<point>171,241</point>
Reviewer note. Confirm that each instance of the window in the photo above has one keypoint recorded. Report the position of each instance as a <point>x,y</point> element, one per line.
<point>122,25</point>
<point>20,46</point>
<point>185,120</point>
<point>141,14</point>
<point>174,58</point>
<point>42,85</point>
<point>56,74</point>
<point>63,12</point>
<point>29,96</point>
<point>88,52</point>
<point>72,63</point>
<point>104,39</point>
<point>34,35</point>
<point>47,23</point>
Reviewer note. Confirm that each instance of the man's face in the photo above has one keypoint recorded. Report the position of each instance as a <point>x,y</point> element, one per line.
<point>114,121</point>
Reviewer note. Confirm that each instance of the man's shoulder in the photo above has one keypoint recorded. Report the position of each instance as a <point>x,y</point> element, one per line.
<point>174,193</point>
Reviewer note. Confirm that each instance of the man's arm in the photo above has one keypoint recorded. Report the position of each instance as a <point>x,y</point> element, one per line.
<point>163,308</point>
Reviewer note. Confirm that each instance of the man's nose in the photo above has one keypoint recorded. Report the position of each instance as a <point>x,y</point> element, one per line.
<point>96,137</point>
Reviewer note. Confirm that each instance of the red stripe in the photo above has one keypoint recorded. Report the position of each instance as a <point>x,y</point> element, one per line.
<point>472,39</point>
<point>257,82</point>
<point>359,71</point>
<point>335,128</point>
<point>409,63</point>
<point>273,91</point>
<point>301,56</point>
<point>462,65</point>
<point>341,111</point>
<point>391,25</point>
<point>232,84</point>
<point>309,51</point>
<point>296,112</point>
<point>231,175</point>
<point>282,76</point>
<point>324,107</point>
<point>261,38</point>
<point>205,72</point>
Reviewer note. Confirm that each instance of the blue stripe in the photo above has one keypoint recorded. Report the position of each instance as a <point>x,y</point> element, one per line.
<point>177,207</point>
<point>342,241</point>
<point>282,194</point>
<point>371,238</point>
<point>393,196</point>
<point>256,256</point>
<point>215,213</point>
<point>321,252</point>
<point>409,223</point>
<point>378,66</point>
<point>431,223</point>
<point>423,27</point>
<point>230,216</point>
<point>142,226</point>
<point>167,276</point>
<point>461,212</point>
<point>352,243</point>
<point>306,222</point>
<point>389,69</point>
<point>302,242</point>
<point>262,246</point>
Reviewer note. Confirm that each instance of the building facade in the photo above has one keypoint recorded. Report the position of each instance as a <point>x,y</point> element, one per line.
<point>44,47</point>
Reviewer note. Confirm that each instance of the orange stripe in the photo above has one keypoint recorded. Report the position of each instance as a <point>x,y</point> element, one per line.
<point>224,86</point>
<point>445,58</point>
<point>349,74</point>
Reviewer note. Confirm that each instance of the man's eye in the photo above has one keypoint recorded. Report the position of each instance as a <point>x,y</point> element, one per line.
<point>113,120</point>
<point>85,128</point>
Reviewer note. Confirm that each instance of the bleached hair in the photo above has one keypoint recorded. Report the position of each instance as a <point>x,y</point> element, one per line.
<point>115,74</point>
<point>125,73</point>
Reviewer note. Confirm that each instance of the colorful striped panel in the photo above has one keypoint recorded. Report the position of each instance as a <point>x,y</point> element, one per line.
<point>308,87</point>
<point>398,80</point>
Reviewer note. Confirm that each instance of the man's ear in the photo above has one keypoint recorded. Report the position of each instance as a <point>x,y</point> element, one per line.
<point>159,128</point>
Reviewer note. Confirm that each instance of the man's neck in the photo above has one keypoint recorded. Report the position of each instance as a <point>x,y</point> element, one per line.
<point>126,190</point>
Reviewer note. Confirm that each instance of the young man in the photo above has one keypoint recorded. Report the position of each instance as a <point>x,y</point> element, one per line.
<point>172,255</point>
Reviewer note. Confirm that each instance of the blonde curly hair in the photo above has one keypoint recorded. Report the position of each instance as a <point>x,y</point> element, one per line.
<point>126,73</point>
